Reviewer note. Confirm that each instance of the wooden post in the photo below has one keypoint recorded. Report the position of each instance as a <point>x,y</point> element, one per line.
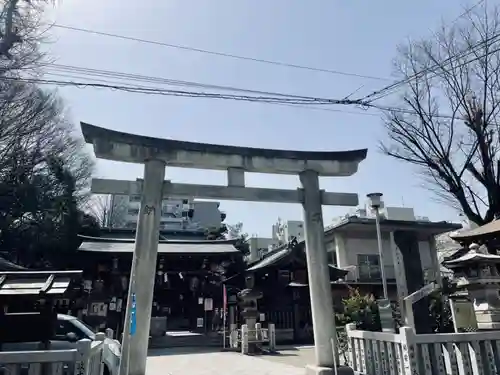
<point>409,352</point>
<point>82,365</point>
<point>244,339</point>
<point>399,270</point>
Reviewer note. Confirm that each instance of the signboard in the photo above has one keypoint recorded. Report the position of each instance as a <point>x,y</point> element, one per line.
<point>199,322</point>
<point>464,316</point>
<point>421,293</point>
<point>209,304</point>
<point>415,297</point>
<point>133,316</point>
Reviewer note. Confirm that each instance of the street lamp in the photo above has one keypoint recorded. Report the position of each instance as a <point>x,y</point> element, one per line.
<point>375,201</point>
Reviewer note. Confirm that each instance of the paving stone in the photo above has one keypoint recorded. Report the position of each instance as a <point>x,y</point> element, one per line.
<point>190,362</point>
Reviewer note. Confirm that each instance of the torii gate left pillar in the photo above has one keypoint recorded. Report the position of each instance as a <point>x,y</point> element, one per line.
<point>157,153</point>
<point>143,269</point>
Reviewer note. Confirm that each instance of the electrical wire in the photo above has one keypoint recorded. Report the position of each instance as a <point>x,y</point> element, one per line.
<point>185,93</point>
<point>384,91</point>
<point>86,72</point>
<point>306,103</point>
<point>216,53</point>
<point>378,94</point>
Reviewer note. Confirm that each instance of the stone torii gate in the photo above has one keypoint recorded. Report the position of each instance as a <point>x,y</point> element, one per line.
<point>157,153</point>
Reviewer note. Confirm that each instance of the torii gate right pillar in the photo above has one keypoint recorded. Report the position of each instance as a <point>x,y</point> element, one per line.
<point>323,317</point>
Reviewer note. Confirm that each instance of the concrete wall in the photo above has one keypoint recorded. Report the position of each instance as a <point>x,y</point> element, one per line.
<point>206,214</point>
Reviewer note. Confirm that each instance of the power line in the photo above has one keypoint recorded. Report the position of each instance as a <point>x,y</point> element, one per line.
<point>86,72</point>
<point>298,102</point>
<point>184,93</point>
<point>378,94</point>
<point>217,53</point>
<point>63,70</point>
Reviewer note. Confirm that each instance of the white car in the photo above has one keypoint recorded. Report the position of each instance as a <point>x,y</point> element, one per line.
<point>68,331</point>
<point>72,329</point>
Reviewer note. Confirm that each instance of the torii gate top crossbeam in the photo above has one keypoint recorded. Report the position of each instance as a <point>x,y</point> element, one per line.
<point>118,146</point>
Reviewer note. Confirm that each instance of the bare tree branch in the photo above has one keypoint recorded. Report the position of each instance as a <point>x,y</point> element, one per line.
<point>459,155</point>
<point>108,212</point>
<point>21,32</point>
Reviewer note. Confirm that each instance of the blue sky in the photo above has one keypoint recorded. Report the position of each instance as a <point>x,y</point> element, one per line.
<point>351,36</point>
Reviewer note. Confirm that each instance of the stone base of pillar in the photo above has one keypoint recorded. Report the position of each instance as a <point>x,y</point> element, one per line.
<point>317,370</point>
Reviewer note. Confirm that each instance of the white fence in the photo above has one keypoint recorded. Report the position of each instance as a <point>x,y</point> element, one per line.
<point>86,359</point>
<point>374,353</point>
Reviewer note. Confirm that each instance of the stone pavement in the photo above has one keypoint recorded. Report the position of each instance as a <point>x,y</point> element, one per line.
<point>183,361</point>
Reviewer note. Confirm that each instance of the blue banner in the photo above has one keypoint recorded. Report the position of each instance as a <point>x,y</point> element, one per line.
<point>133,316</point>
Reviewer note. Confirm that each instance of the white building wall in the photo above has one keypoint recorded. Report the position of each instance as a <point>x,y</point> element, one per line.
<point>259,246</point>
<point>361,246</point>
<point>293,228</point>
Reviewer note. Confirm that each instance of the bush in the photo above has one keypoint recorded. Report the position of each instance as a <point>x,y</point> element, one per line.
<point>361,310</point>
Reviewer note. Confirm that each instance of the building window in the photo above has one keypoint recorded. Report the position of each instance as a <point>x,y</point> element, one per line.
<point>369,267</point>
<point>185,201</point>
<point>133,211</point>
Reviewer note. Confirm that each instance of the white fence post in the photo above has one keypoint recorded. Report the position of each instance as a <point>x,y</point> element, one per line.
<point>258,331</point>
<point>82,365</point>
<point>99,366</point>
<point>244,339</point>
<point>272,336</point>
<point>109,333</point>
<point>233,336</point>
<point>350,346</point>
<point>409,350</point>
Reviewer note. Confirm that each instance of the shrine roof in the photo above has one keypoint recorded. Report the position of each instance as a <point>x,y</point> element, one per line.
<point>272,259</point>
<point>5,265</point>
<point>129,233</point>
<point>356,223</point>
<point>486,230</point>
<point>36,282</point>
<point>126,245</point>
<point>285,254</point>
<point>473,257</point>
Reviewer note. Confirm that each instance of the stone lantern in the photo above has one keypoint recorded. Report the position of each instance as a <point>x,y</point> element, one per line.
<point>477,274</point>
<point>249,298</point>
